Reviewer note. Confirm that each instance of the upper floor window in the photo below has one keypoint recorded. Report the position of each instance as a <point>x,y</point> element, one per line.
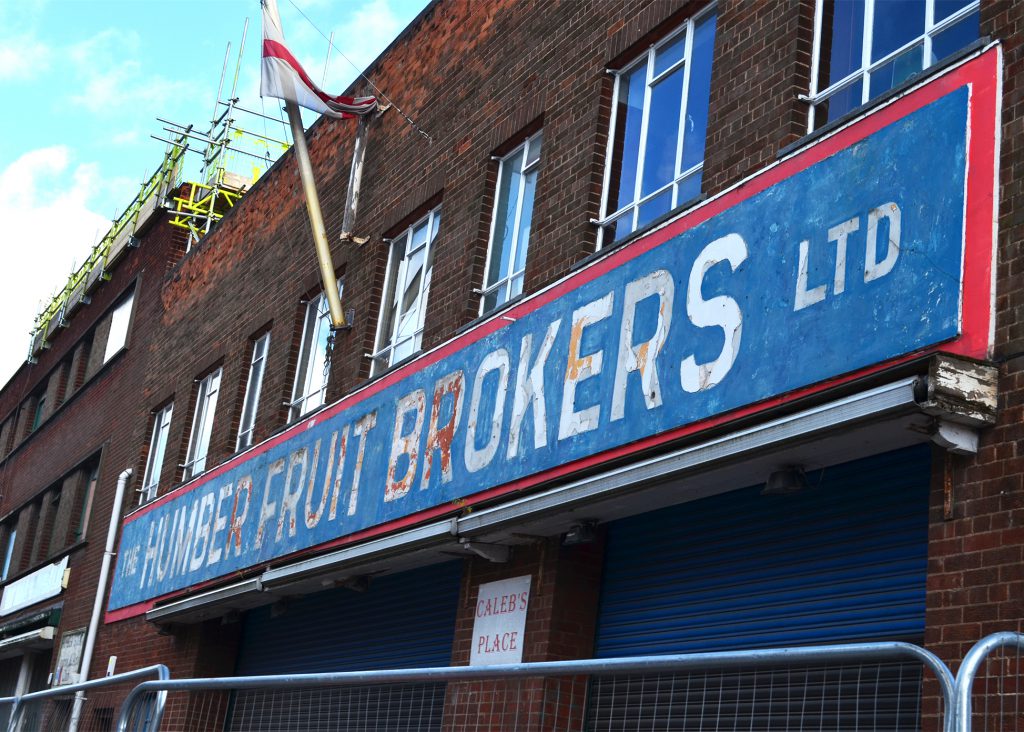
<point>202,424</point>
<point>863,48</point>
<point>510,226</point>
<point>310,389</point>
<point>253,385</point>
<point>38,412</point>
<point>157,448</point>
<point>118,334</point>
<point>12,540</point>
<point>659,124</point>
<point>407,284</point>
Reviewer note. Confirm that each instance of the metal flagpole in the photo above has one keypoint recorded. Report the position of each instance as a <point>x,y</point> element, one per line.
<point>316,219</point>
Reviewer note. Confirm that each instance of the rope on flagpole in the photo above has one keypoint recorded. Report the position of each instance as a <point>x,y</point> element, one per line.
<point>381,94</point>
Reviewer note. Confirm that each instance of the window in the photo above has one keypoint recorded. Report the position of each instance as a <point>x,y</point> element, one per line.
<point>12,539</point>
<point>407,283</point>
<point>38,412</point>
<point>252,391</point>
<point>659,125</point>
<point>863,48</point>
<point>157,447</point>
<point>87,496</point>
<point>310,388</point>
<point>118,333</point>
<point>202,425</point>
<point>510,226</point>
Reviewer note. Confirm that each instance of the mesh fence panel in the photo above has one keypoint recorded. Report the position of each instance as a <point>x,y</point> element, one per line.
<point>878,697</point>
<point>98,711</point>
<point>996,698</point>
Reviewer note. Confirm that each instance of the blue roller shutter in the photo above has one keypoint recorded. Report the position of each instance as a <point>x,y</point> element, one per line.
<point>403,620</point>
<point>843,561</point>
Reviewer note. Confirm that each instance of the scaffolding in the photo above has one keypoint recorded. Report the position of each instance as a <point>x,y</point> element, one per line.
<point>108,251</point>
<point>195,205</point>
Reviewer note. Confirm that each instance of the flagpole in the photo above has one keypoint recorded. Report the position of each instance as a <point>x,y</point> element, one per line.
<point>316,219</point>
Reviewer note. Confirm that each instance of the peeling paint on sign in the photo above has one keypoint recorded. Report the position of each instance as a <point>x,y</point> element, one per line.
<point>850,260</point>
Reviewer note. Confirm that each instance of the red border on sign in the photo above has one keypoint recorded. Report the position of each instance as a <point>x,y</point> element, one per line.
<point>981,74</point>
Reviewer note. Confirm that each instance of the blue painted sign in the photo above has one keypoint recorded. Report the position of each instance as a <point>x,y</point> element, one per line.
<point>852,260</point>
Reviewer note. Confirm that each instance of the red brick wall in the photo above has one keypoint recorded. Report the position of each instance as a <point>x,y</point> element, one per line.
<point>976,558</point>
<point>476,75</point>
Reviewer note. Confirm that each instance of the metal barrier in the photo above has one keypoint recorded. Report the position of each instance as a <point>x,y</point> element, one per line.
<point>1002,687</point>
<point>90,705</point>
<point>856,686</point>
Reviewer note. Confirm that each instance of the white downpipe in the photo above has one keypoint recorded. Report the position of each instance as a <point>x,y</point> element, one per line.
<point>97,605</point>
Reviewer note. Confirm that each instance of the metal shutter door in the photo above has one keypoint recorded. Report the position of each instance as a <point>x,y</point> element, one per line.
<point>842,561</point>
<point>404,620</point>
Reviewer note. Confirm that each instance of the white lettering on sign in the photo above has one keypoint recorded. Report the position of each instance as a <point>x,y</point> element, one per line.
<point>499,622</point>
<point>874,268</point>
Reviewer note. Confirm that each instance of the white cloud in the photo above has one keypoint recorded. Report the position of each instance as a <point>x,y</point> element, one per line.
<point>372,27</point>
<point>23,58</point>
<point>111,77</point>
<point>44,206</point>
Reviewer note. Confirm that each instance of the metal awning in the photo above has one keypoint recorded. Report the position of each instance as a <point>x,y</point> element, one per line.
<point>33,640</point>
<point>872,421</point>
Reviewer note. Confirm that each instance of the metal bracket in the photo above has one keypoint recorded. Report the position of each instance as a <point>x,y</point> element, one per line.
<point>497,553</point>
<point>956,438</point>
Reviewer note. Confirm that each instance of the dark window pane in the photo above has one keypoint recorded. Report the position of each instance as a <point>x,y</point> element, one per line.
<point>657,206</point>
<point>689,189</point>
<point>896,23</point>
<point>618,228</point>
<point>525,220</point>
<point>945,8</point>
<point>505,216</point>
<point>695,132</point>
<point>847,40</point>
<point>842,102</point>
<point>662,132</point>
<point>953,39</point>
<point>669,54</point>
<point>896,71</point>
<point>631,111</point>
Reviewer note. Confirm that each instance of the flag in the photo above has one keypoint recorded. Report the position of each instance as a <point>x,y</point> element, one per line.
<point>284,77</point>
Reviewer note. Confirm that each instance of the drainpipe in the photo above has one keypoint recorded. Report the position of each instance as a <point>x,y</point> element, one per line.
<point>97,605</point>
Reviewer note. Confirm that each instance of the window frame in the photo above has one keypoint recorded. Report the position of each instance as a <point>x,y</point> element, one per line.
<point>504,283</point>
<point>309,399</point>
<point>648,58</point>
<point>202,424</point>
<point>257,368</point>
<point>157,452</point>
<point>382,357</point>
<point>120,314</point>
<point>815,97</point>
<point>12,539</point>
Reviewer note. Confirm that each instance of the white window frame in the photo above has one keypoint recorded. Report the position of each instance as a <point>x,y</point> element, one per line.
<point>157,448</point>
<point>309,390</point>
<point>12,539</point>
<point>253,387</point>
<point>382,356</point>
<point>863,74</point>
<point>503,285</point>
<point>117,334</point>
<point>202,424</point>
<point>648,58</point>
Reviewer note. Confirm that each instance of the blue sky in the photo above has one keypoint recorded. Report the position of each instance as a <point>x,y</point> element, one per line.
<point>83,82</point>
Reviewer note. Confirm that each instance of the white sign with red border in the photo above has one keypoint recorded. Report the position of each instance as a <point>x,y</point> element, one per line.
<point>499,622</point>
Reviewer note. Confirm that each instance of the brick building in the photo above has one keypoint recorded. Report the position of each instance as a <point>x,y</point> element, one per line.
<point>691,326</point>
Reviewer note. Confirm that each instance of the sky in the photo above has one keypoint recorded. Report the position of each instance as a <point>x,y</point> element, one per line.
<point>83,82</point>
